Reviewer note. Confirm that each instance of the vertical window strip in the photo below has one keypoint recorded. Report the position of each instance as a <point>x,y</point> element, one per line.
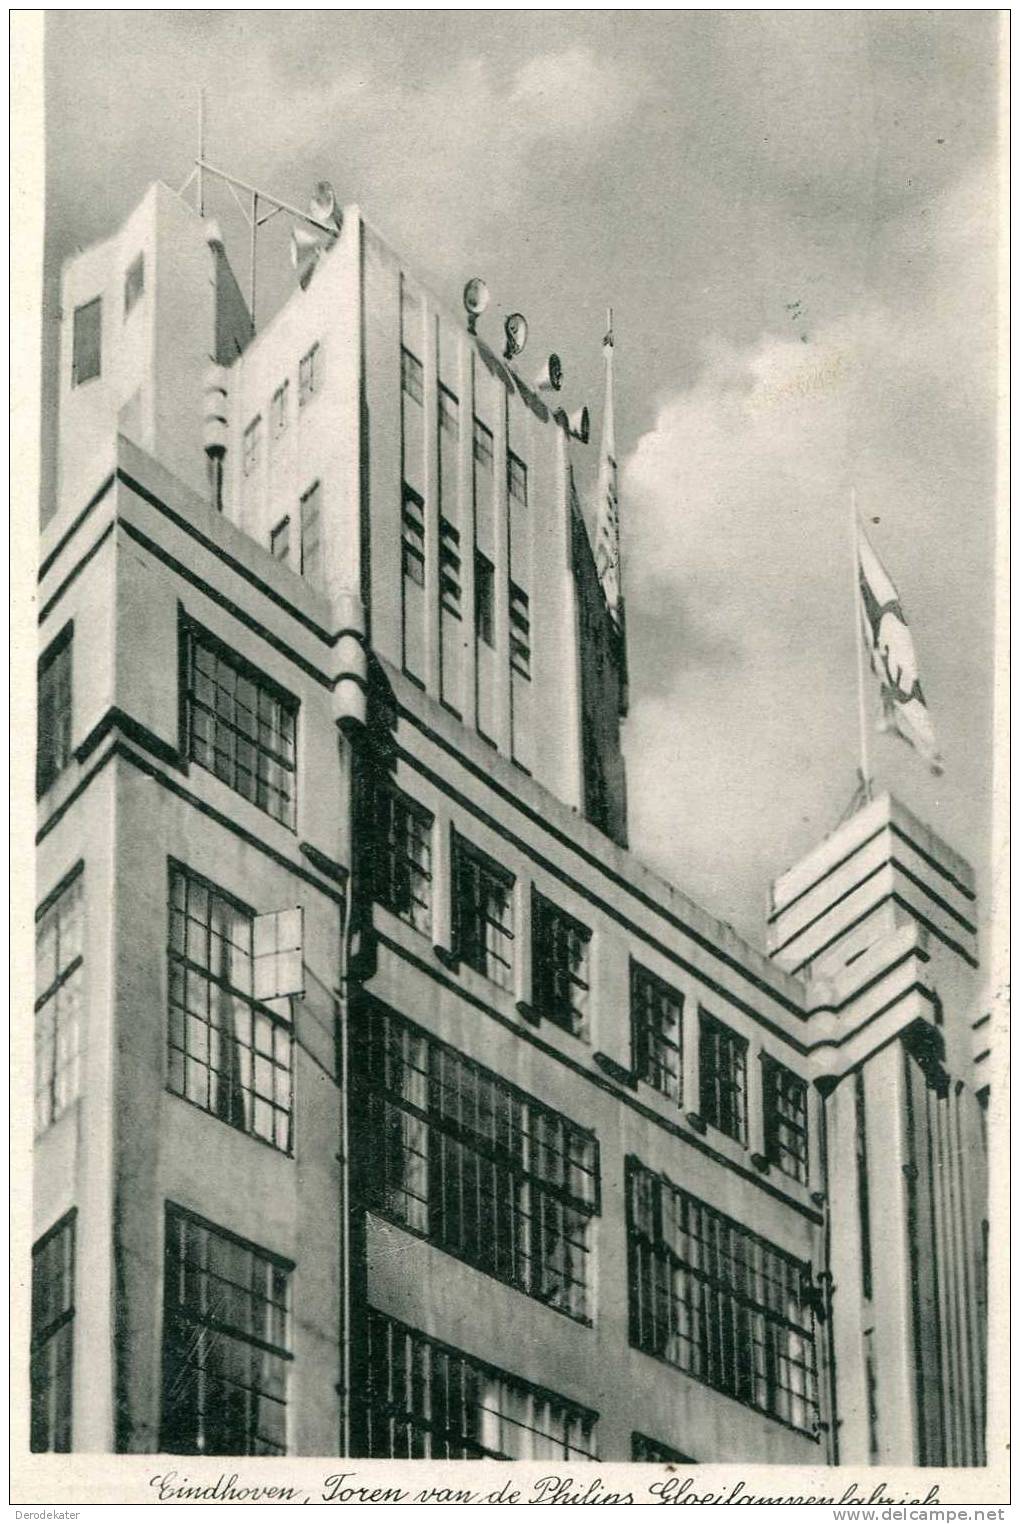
<point>52,1338</point>
<point>482,444</point>
<point>278,410</point>
<point>413,536</point>
<point>483,914</point>
<point>786,1119</point>
<point>87,342</point>
<point>719,1302</point>
<point>250,445</point>
<point>311,534</point>
<point>520,631</point>
<point>225,1343</point>
<point>479,1168</point>
<point>517,478</point>
<point>228,1054</point>
<point>485,600</point>
<point>560,966</point>
<point>657,1025</point>
<point>723,1078</point>
<point>402,858</point>
<point>279,541</point>
<point>449,412</point>
<point>53,723</point>
<point>309,375</point>
<point>59,988</point>
<point>412,378</point>
<point>863,1193</point>
<point>449,568</point>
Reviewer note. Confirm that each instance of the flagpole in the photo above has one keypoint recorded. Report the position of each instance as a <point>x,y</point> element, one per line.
<point>862,722</point>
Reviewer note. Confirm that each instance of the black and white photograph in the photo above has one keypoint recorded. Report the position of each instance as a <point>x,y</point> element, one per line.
<point>513,691</point>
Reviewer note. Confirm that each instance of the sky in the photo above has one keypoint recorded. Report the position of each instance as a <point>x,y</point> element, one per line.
<point>794,216</point>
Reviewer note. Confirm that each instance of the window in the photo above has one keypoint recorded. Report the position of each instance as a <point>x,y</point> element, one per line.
<point>225,1343</point>
<point>278,409</point>
<point>413,537</point>
<point>87,341</point>
<point>485,600</point>
<point>239,726</point>
<point>402,859</point>
<point>723,1074</point>
<point>483,914</point>
<point>58,975</point>
<point>520,632</point>
<point>656,1021</point>
<point>311,543</point>
<point>479,1168</point>
<point>134,283</point>
<point>482,444</point>
<point>786,1124</point>
<point>449,568</point>
<point>279,541</point>
<point>228,1053</point>
<point>449,412</point>
<point>559,965</point>
<point>719,1302</point>
<point>411,376</point>
<point>429,1401</point>
<point>644,1449</point>
<point>309,375</point>
<point>250,445</point>
<point>52,1338</point>
<point>53,719</point>
<point>517,478</point>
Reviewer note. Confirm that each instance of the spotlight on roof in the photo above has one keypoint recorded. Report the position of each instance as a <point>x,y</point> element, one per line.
<point>551,377</point>
<point>476,299</point>
<point>516,330</point>
<point>323,205</point>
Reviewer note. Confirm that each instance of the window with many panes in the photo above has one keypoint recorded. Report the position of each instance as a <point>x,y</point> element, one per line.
<point>239,725</point>
<point>723,1078</point>
<point>411,376</point>
<point>483,913</point>
<point>718,1302</point>
<point>449,567</point>
<point>53,715</point>
<point>52,1338</point>
<point>426,1400</point>
<point>309,375</point>
<point>479,1168</point>
<point>520,631</point>
<point>559,950</point>
<point>517,478</point>
<point>228,1053</point>
<point>59,980</point>
<point>87,341</point>
<point>482,444</point>
<point>656,1011</point>
<point>786,1119</point>
<point>134,283</point>
<point>402,857</point>
<point>225,1343</point>
<point>642,1448</point>
<point>413,536</point>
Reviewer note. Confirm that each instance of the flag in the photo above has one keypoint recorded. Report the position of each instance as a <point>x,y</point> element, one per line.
<point>607,515</point>
<point>890,646</point>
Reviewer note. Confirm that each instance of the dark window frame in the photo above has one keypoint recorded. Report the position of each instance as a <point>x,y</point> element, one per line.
<point>311,544</point>
<point>520,631</point>
<point>190,1332</point>
<point>471,939</point>
<point>449,411</point>
<point>560,973</point>
<point>81,354</point>
<point>516,478</point>
<point>54,732</point>
<point>786,1125</point>
<point>57,1008</point>
<point>485,600</point>
<point>722,1088</point>
<point>482,447</point>
<point>397,873</point>
<point>412,375</point>
<point>52,1340</point>
<point>479,1168</point>
<point>651,1046</point>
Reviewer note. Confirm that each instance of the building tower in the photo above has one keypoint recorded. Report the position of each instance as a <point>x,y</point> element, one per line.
<point>385,1103</point>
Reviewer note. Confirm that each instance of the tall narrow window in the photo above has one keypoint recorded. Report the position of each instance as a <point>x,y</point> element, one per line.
<point>251,445</point>
<point>485,600</point>
<point>482,444</point>
<point>239,725</point>
<point>517,478</point>
<point>309,375</point>
<point>53,717</point>
<point>449,568</point>
<point>656,1023</point>
<point>402,857</point>
<point>225,1343</point>
<point>723,1077</point>
<point>427,1400</point>
<point>279,409</point>
<point>478,1167</point>
<point>279,541</point>
<point>786,1124</point>
<point>451,647</point>
<point>311,542</point>
<point>863,1193</point>
<point>411,376</point>
<point>413,583</point>
<point>559,966</point>
<point>719,1302</point>
<point>134,283</point>
<point>483,914</point>
<point>449,412</point>
<point>520,631</point>
<point>52,1337</point>
<point>86,357</point>
<point>228,1053</point>
<point>58,974</point>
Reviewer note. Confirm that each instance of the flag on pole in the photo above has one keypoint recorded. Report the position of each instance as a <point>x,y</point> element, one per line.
<point>890,646</point>
<point>607,515</point>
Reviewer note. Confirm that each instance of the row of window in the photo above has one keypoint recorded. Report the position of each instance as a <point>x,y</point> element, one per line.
<point>87,325</point>
<point>483,939</point>
<point>412,383</point>
<point>310,376</point>
<point>729,1315</point>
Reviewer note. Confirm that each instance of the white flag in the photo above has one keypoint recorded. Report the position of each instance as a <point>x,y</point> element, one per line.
<point>893,658</point>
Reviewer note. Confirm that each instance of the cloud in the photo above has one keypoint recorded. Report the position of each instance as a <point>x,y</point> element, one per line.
<point>572,91</point>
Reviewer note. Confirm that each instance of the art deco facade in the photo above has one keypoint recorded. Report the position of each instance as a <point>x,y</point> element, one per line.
<point>385,1103</point>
